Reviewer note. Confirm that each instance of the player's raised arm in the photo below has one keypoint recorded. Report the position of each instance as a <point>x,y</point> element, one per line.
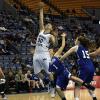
<point>95,53</point>
<point>41,17</point>
<point>70,51</point>
<point>62,45</point>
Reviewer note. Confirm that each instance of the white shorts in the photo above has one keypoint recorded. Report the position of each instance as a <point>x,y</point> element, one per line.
<point>41,62</point>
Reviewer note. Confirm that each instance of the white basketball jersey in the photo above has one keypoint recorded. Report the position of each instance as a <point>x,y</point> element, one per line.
<point>42,43</point>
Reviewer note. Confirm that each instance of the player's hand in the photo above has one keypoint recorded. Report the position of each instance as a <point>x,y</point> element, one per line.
<point>41,5</point>
<point>63,34</point>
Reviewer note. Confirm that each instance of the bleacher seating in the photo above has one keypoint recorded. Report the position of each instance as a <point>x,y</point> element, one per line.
<point>76,4</point>
<point>64,5</point>
<point>33,5</point>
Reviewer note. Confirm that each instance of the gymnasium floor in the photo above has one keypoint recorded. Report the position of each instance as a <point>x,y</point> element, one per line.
<point>46,96</point>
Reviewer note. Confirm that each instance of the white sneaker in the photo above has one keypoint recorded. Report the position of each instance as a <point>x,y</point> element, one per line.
<point>52,92</point>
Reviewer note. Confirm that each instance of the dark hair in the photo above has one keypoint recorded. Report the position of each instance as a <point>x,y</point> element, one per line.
<point>84,41</point>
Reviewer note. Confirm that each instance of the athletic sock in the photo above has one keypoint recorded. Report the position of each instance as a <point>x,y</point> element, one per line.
<point>90,87</point>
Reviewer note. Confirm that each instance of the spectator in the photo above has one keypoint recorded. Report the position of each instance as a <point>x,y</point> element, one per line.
<point>17,62</point>
<point>11,47</point>
<point>37,82</point>
<point>18,38</point>
<point>21,82</point>
<point>10,78</point>
<point>28,76</point>
<point>17,65</point>
<point>2,47</point>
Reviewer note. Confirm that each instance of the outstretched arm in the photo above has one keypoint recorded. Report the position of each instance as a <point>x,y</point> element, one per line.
<point>95,53</point>
<point>62,46</point>
<point>70,51</point>
<point>41,22</point>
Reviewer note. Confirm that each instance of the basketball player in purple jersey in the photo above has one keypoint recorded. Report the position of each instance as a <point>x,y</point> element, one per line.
<point>86,67</point>
<point>63,76</point>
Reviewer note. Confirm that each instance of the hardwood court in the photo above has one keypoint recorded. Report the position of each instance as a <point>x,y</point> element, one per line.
<point>46,96</point>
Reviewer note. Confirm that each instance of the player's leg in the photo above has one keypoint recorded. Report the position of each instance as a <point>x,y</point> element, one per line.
<point>89,79</point>
<point>60,93</point>
<point>46,62</point>
<point>84,75</point>
<point>81,82</point>
<point>36,64</point>
<point>2,84</point>
<point>61,84</point>
<point>52,85</point>
<point>2,88</point>
<point>38,67</point>
<point>42,62</point>
<point>78,85</point>
<point>92,94</point>
<point>77,91</point>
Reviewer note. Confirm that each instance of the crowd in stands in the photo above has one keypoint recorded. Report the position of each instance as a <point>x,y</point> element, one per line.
<point>16,56</point>
<point>23,81</point>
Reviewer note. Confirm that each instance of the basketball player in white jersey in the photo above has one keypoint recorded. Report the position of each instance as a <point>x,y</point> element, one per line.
<point>41,58</point>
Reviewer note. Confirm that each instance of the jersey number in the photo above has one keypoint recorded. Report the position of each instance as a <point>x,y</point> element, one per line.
<point>85,54</point>
<point>40,40</point>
